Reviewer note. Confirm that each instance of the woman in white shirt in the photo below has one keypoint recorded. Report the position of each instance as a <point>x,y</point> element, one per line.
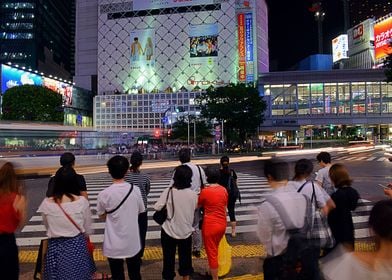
<point>67,256</point>
<point>177,229</point>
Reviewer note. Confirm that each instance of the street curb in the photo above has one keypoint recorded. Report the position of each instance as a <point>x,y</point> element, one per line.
<point>154,253</point>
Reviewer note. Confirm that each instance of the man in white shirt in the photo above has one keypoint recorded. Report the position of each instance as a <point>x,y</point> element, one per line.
<point>198,179</point>
<point>120,205</point>
<point>322,177</point>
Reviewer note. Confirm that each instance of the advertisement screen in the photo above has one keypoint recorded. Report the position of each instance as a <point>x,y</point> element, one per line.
<point>203,44</point>
<point>360,37</point>
<point>203,40</point>
<point>241,48</point>
<point>62,88</point>
<point>140,5</point>
<point>249,47</point>
<point>12,77</point>
<point>382,37</point>
<point>142,48</point>
<point>339,48</point>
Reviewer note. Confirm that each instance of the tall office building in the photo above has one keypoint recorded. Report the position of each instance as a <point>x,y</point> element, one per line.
<point>361,10</point>
<point>37,34</point>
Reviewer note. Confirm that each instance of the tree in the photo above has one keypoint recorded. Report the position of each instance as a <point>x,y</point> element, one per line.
<point>239,106</point>
<point>180,129</point>
<point>388,65</point>
<point>32,103</point>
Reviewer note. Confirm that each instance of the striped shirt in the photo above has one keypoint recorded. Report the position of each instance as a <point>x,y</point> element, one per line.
<point>142,181</point>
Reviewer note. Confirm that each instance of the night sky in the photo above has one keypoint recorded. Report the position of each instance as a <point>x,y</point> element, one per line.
<point>293,30</point>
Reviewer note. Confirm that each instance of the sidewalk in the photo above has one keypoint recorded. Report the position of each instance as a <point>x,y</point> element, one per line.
<point>247,262</point>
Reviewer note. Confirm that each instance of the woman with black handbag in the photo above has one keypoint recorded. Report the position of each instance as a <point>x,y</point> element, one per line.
<point>180,203</point>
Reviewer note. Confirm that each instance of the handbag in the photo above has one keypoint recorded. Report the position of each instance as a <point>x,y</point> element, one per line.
<point>90,245</point>
<point>320,230</point>
<point>224,257</point>
<point>160,216</point>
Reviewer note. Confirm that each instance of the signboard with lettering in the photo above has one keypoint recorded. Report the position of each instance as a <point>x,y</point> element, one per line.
<point>339,48</point>
<point>141,5</point>
<point>241,48</point>
<point>360,37</point>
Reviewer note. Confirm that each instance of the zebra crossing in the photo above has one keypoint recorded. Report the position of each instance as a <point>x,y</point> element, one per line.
<point>253,189</point>
<point>362,158</point>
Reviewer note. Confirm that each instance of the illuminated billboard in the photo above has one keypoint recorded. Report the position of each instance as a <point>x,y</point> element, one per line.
<point>241,48</point>
<point>339,48</point>
<point>203,44</point>
<point>13,77</point>
<point>360,37</point>
<point>382,37</point>
<point>141,5</point>
<point>62,88</point>
<point>142,48</point>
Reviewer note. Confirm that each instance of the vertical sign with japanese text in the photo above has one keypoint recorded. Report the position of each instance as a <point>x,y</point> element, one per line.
<point>241,48</point>
<point>249,47</point>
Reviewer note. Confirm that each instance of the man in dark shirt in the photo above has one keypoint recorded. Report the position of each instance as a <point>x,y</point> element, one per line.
<point>67,160</point>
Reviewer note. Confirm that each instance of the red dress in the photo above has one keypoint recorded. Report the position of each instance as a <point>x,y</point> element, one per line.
<point>213,199</point>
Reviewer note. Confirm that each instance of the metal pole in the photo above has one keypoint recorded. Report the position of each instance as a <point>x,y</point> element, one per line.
<point>188,130</point>
<point>194,131</point>
<point>223,138</point>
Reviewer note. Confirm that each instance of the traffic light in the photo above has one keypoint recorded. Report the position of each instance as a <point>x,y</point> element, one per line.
<point>157,133</point>
<point>169,133</point>
<point>179,109</point>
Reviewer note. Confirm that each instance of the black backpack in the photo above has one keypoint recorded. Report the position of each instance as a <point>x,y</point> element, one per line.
<point>300,260</point>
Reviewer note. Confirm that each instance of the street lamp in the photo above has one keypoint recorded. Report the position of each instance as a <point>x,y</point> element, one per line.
<point>319,16</point>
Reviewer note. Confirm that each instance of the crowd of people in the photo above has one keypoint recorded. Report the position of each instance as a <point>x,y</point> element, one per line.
<point>196,202</point>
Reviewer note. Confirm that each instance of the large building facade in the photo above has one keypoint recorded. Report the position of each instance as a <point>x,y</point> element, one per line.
<point>38,35</point>
<point>335,104</point>
<point>154,56</point>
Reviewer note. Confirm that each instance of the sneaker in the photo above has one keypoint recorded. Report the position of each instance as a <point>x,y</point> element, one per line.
<point>196,254</point>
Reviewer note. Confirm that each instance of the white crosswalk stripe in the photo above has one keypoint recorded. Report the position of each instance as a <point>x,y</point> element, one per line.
<point>356,158</point>
<point>253,189</point>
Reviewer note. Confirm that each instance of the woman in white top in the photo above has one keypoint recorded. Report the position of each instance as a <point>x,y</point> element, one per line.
<point>366,265</point>
<point>176,231</point>
<point>67,256</point>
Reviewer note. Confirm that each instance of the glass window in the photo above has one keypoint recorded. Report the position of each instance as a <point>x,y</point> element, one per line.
<point>344,98</point>
<point>373,98</point>
<point>330,91</point>
<point>303,99</point>
<point>317,101</point>
<point>358,97</point>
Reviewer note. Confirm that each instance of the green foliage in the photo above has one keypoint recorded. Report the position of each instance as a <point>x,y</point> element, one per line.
<point>180,129</point>
<point>239,106</point>
<point>388,66</point>
<point>32,103</point>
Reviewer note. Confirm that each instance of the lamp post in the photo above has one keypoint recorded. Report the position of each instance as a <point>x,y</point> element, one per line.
<point>319,15</point>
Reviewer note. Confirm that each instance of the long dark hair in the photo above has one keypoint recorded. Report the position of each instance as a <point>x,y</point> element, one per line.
<point>8,179</point>
<point>65,183</point>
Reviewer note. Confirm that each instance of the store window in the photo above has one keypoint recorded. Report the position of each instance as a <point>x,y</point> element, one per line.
<point>358,91</point>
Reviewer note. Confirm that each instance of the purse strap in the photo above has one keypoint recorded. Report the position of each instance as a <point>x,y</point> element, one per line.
<point>121,203</point>
<point>167,197</point>
<point>69,217</point>
<point>201,178</point>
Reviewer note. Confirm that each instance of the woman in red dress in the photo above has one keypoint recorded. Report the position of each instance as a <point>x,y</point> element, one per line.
<point>213,198</point>
<point>12,217</point>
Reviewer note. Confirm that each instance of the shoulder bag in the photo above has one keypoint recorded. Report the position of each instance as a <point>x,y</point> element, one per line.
<point>121,203</point>
<point>160,216</point>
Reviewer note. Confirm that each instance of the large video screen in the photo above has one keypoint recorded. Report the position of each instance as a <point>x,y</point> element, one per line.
<point>13,77</point>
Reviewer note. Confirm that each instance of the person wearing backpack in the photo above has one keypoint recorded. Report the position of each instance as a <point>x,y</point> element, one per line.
<point>228,179</point>
<point>283,223</point>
